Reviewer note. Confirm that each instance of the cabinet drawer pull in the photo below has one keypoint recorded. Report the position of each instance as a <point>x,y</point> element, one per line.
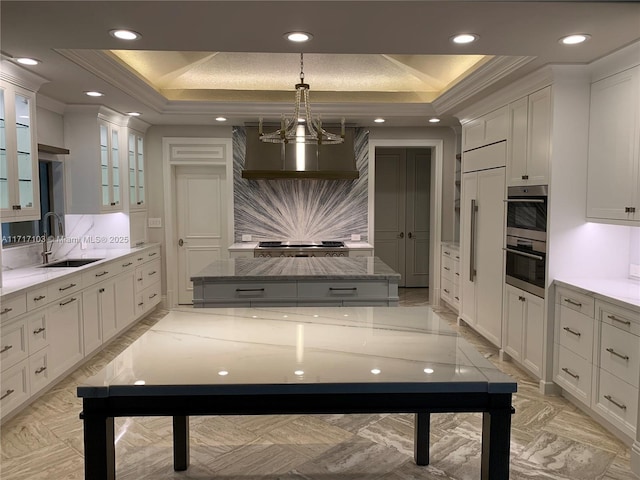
<point>62,304</point>
<point>141,304</point>
<point>619,355</point>
<point>446,291</point>
<point>457,298</point>
<point>621,406</point>
<point>446,268</point>
<point>152,296</point>
<point>569,372</point>
<point>573,302</point>
<point>16,207</point>
<point>139,203</point>
<point>139,279</point>
<point>71,285</point>
<point>101,274</point>
<point>153,253</point>
<point>39,297</point>
<point>7,393</point>
<point>6,348</point>
<point>6,310</point>
<point>140,259</point>
<point>619,320</point>
<point>343,289</point>
<point>447,253</point>
<point>152,273</point>
<point>457,274</point>
<point>521,298</point>
<point>249,289</point>
<point>40,370</point>
<point>127,264</point>
<point>573,332</point>
<point>113,204</point>
<point>39,330</point>
<point>101,290</point>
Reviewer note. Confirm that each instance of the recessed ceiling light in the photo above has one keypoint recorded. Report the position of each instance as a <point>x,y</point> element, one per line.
<point>299,372</point>
<point>94,94</point>
<point>125,34</point>
<point>376,371</point>
<point>223,373</point>
<point>298,36</point>
<point>221,119</point>
<point>379,120</point>
<point>575,39</point>
<point>134,114</point>
<point>464,38</point>
<point>139,382</point>
<point>428,371</point>
<point>434,120</point>
<point>27,61</point>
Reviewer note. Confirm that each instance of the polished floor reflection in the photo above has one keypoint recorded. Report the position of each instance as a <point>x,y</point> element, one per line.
<point>551,439</point>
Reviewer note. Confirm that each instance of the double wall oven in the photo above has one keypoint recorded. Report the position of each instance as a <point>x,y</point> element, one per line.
<point>526,243</point>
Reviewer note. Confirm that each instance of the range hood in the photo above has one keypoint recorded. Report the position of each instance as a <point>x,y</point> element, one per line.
<point>271,160</point>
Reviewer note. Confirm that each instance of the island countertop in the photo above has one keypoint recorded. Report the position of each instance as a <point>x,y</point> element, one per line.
<point>297,268</point>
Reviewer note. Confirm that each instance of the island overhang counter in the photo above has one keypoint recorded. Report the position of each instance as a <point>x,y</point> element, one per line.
<point>296,281</point>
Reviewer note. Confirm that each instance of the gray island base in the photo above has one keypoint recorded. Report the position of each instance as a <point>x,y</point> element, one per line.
<point>296,281</point>
<point>310,360</point>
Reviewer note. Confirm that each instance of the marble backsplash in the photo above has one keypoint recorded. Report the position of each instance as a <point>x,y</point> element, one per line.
<point>300,209</point>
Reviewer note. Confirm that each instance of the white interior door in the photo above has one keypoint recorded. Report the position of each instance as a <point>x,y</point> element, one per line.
<point>201,212</point>
<point>418,195</point>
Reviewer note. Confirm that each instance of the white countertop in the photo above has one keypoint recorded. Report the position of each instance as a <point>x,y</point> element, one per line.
<point>623,291</point>
<point>240,246</point>
<point>20,279</point>
<point>300,350</point>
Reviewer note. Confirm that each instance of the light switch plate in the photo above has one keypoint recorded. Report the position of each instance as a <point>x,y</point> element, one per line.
<point>155,222</point>
<point>246,238</point>
<point>355,237</point>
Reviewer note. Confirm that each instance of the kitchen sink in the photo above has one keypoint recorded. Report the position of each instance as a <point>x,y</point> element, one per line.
<point>72,262</point>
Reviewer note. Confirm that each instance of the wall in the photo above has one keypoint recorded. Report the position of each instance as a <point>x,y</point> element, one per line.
<point>300,209</point>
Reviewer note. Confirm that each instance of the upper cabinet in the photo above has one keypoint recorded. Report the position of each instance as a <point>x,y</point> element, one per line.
<point>613,192</point>
<point>19,187</point>
<point>136,171</point>
<point>489,128</point>
<point>529,144</point>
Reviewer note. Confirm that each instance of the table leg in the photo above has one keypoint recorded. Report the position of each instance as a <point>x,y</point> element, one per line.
<point>180,443</point>
<point>99,448</point>
<point>496,439</point>
<point>421,438</point>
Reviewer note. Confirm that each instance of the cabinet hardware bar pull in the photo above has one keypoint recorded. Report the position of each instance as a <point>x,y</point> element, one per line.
<point>577,304</point>
<point>152,273</point>
<point>573,332</point>
<point>521,298</point>
<point>342,289</point>
<point>447,253</point>
<point>40,370</point>
<point>524,200</point>
<point>619,320</point>
<point>9,392</point>
<point>153,253</point>
<point>101,290</point>
<point>127,264</point>
<point>140,279</point>
<point>446,268</point>
<point>152,296</point>
<point>39,330</point>
<point>617,404</point>
<point>446,291</point>
<point>140,304</point>
<point>6,348</point>
<point>39,297</point>
<point>569,372</point>
<point>62,304</point>
<point>523,254</point>
<point>613,352</point>
<point>457,298</point>
<point>140,259</point>
<point>472,243</point>
<point>249,289</point>
<point>6,310</point>
<point>71,285</point>
<point>101,274</point>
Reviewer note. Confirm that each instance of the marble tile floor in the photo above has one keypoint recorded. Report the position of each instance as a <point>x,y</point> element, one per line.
<point>551,438</point>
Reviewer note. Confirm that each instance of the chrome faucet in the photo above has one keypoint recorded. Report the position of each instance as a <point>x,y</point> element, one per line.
<point>45,248</point>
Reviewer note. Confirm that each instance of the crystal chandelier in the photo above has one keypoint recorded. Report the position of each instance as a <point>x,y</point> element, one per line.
<point>302,127</point>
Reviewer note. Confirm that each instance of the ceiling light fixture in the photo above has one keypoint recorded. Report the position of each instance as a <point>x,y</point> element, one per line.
<point>94,94</point>
<point>463,38</point>
<point>28,61</point>
<point>311,131</point>
<point>134,114</point>
<point>434,120</point>
<point>575,39</point>
<point>221,119</point>
<point>298,37</point>
<point>379,120</point>
<point>125,34</point>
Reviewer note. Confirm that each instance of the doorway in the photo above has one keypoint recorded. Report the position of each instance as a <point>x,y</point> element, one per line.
<point>402,209</point>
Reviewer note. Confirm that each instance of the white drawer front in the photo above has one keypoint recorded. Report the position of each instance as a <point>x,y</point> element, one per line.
<point>37,331</point>
<point>149,274</point>
<point>343,290</point>
<point>573,373</point>
<point>447,268</point>
<point>15,387</point>
<point>575,301</point>
<point>148,299</point>
<point>151,254</point>
<point>100,273</point>
<point>126,264</point>
<point>619,317</point>
<point>248,291</point>
<point>620,354</point>
<point>64,287</point>
<point>37,298</point>
<point>13,343</point>
<point>39,371</point>
<point>447,290</point>
<point>575,332</point>
<point>12,307</point>
<point>617,401</point>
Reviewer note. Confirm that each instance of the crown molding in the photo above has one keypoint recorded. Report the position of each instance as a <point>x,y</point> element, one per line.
<point>21,77</point>
<point>50,104</point>
<point>490,72</point>
<point>616,62</point>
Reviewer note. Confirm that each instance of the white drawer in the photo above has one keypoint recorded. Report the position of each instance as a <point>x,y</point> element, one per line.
<point>15,387</point>
<point>127,264</point>
<point>617,401</point>
<point>447,290</point>
<point>575,332</point>
<point>64,287</point>
<point>447,268</point>
<point>575,301</point>
<point>100,273</point>
<point>620,354</point>
<point>37,331</point>
<point>342,289</point>
<point>151,254</point>
<point>573,374</point>
<point>248,291</point>
<point>14,346</point>
<point>37,297</point>
<point>619,317</point>
<point>39,371</point>
<point>147,274</point>
<point>148,299</point>
<point>12,307</point>
<point>456,272</point>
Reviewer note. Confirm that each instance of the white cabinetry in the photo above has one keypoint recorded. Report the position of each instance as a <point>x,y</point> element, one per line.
<point>614,149</point>
<point>529,144</point>
<point>136,171</point>
<point>19,187</point>
<point>523,328</point>
<point>99,315</point>
<point>65,334</point>
<point>450,275</point>
<point>487,129</point>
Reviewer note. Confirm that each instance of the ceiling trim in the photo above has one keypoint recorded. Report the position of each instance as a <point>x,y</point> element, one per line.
<point>484,76</point>
<point>16,75</point>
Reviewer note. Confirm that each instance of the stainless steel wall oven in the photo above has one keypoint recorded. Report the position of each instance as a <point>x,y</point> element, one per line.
<point>526,244</point>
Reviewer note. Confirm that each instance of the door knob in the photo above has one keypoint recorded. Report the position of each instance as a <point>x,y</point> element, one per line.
<point>410,235</point>
<point>401,235</point>
<point>180,242</point>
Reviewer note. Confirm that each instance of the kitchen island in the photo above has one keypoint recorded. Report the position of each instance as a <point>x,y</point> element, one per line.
<point>296,281</point>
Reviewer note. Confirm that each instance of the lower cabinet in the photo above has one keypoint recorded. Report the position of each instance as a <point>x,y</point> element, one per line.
<point>66,339</point>
<point>99,315</point>
<point>523,328</point>
<point>450,276</point>
<point>125,299</point>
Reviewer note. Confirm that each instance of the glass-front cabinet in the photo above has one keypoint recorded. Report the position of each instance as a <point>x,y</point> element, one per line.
<point>110,167</point>
<point>19,188</point>
<point>136,172</point>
